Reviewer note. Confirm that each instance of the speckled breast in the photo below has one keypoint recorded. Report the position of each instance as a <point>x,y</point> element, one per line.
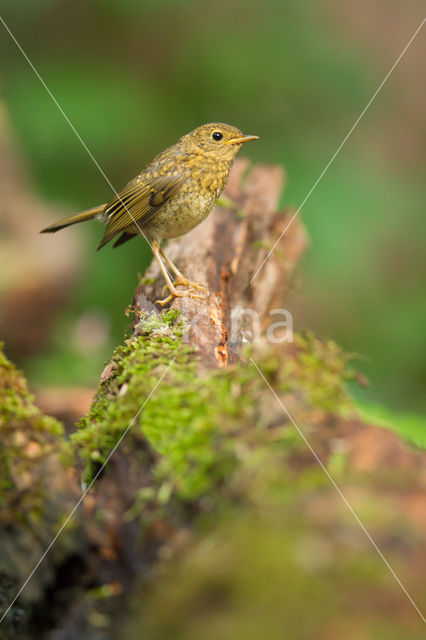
<point>182,213</point>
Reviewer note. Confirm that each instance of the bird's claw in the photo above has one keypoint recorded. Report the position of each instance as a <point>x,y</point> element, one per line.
<point>192,285</point>
<point>176,293</point>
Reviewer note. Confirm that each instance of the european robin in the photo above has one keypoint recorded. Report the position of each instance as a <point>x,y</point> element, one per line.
<point>174,193</point>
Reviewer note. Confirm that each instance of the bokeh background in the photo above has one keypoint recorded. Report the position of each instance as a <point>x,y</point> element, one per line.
<point>133,76</point>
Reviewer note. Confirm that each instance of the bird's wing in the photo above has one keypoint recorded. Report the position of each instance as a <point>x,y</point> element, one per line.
<point>138,202</point>
<point>125,237</point>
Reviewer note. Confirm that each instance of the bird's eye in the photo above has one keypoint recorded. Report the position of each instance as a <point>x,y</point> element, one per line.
<point>217,135</point>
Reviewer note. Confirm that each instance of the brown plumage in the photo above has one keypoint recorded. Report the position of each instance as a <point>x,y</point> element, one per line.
<point>175,192</point>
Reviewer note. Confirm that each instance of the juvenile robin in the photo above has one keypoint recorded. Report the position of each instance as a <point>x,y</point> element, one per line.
<point>175,192</point>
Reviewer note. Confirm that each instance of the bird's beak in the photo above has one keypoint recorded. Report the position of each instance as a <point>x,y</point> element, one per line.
<point>242,139</point>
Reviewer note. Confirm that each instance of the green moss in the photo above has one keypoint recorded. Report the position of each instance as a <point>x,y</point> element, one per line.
<point>314,369</point>
<point>27,437</point>
<point>320,370</point>
<point>179,421</point>
<point>145,281</point>
<point>198,425</point>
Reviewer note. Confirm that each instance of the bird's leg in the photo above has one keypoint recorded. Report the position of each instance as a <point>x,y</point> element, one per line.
<point>180,278</point>
<point>174,293</point>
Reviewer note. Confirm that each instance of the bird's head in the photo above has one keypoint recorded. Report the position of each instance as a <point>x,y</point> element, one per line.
<point>216,140</point>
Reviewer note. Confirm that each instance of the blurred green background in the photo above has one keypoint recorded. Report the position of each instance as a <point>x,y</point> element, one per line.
<point>134,76</point>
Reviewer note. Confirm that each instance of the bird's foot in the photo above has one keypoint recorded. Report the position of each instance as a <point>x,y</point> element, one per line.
<point>181,280</point>
<point>184,282</point>
<point>186,293</point>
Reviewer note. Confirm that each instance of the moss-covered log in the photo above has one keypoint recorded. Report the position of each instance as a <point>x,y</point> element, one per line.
<point>222,513</point>
<point>212,517</point>
<point>36,495</point>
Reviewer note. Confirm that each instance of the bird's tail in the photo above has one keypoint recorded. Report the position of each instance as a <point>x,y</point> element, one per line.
<point>89,214</point>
